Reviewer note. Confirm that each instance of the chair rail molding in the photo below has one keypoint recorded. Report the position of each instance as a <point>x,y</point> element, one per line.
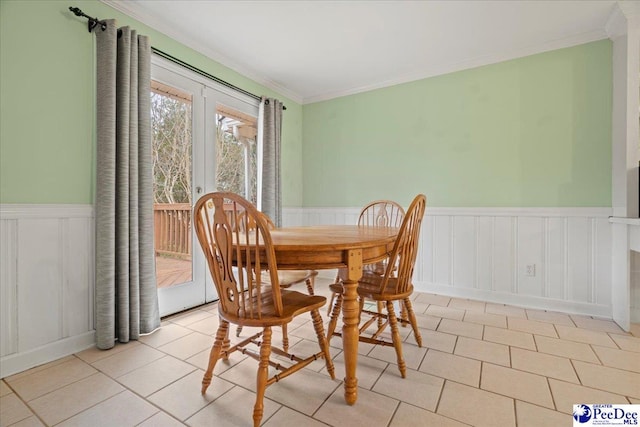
<point>46,283</point>
<point>555,259</point>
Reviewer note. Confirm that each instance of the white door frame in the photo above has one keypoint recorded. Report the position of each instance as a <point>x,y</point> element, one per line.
<point>207,94</point>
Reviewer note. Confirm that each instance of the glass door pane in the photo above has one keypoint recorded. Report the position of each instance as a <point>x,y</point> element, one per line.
<point>171,125</point>
<point>177,125</point>
<point>230,152</point>
<point>204,139</point>
<point>236,152</point>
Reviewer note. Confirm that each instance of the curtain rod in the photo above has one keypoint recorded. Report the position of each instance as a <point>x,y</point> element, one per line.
<point>205,74</point>
<point>94,22</point>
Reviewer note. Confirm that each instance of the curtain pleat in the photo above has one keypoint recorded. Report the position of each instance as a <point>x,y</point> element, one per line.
<point>126,295</point>
<point>271,194</point>
<point>149,310</point>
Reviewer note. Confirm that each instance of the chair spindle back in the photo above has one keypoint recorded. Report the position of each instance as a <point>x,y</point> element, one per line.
<point>382,213</point>
<point>405,250</point>
<point>237,244</point>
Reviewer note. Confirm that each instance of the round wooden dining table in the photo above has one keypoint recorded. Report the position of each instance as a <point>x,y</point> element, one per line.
<point>337,246</point>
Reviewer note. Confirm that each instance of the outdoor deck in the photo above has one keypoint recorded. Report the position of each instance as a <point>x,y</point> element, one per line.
<point>172,224</point>
<point>172,271</point>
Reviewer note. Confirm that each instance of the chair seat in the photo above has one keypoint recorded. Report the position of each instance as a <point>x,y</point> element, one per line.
<point>369,287</point>
<point>393,285</point>
<point>236,240</point>
<point>293,302</point>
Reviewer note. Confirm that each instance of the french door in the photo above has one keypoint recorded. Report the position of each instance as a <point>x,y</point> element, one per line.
<point>204,139</point>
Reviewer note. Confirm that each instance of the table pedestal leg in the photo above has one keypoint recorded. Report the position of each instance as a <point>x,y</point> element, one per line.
<point>350,318</point>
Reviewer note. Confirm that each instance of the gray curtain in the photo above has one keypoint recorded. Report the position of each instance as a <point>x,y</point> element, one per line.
<point>271,132</point>
<point>126,296</point>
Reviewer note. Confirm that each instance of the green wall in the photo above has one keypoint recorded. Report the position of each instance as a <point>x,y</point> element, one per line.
<point>534,131</point>
<point>530,132</point>
<point>47,141</point>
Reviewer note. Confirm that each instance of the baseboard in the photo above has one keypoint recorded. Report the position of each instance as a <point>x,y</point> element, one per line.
<point>523,301</point>
<point>18,362</point>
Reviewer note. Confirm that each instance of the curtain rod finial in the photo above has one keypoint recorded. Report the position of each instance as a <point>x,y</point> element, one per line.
<point>93,22</point>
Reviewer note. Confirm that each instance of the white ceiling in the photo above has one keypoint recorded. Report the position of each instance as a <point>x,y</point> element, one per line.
<point>317,50</point>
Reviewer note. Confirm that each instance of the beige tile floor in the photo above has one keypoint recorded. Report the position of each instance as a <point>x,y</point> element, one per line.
<point>482,364</point>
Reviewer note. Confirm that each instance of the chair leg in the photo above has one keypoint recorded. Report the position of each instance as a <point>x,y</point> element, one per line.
<point>333,295</point>
<point>324,344</point>
<point>380,308</point>
<point>310,285</point>
<point>404,314</point>
<point>335,313</point>
<point>263,374</point>
<point>214,355</point>
<point>330,308</point>
<point>397,340</point>
<point>226,344</point>
<point>285,338</point>
<point>412,319</point>
<point>238,330</point>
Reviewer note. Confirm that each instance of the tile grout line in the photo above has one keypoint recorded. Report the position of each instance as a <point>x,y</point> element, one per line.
<point>553,397</point>
<point>395,411</point>
<point>144,398</point>
<point>26,403</point>
<point>510,347</point>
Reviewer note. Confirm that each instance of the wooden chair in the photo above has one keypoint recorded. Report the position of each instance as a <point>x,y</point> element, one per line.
<point>381,213</point>
<point>389,287</point>
<point>286,278</point>
<point>239,262</point>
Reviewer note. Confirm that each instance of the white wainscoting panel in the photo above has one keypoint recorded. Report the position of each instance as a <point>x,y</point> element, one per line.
<point>47,252</point>
<point>544,258</point>
<point>46,283</point>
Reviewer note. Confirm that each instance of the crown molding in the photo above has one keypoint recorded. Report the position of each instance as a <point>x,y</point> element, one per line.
<point>624,16</point>
<point>616,25</point>
<point>212,54</point>
<point>465,65</point>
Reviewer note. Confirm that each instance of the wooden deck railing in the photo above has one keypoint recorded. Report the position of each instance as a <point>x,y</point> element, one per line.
<point>172,227</point>
<point>172,223</point>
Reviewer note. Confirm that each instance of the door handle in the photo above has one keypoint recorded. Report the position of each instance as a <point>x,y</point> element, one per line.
<point>199,190</point>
